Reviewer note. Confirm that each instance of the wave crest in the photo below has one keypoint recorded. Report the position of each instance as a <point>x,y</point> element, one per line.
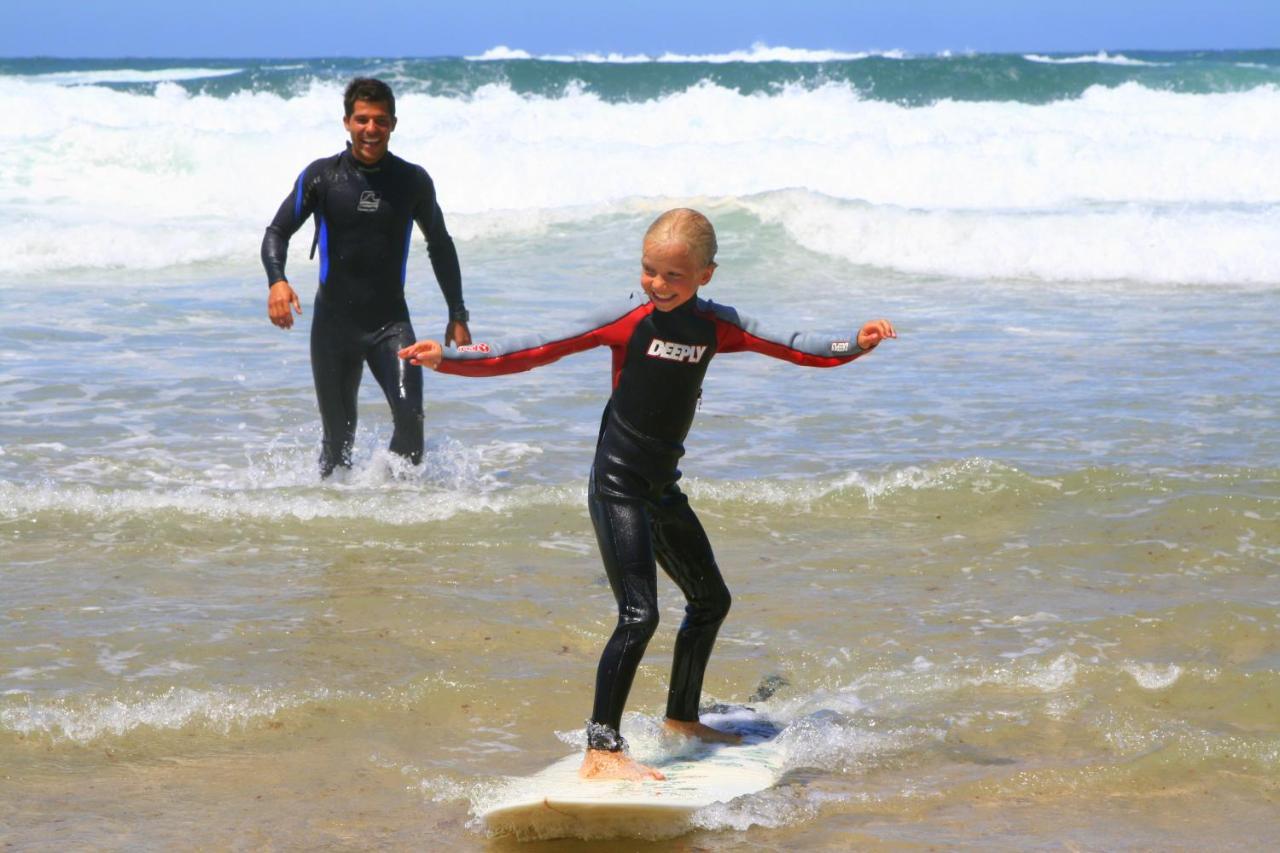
<point>1186,194</point>
<point>758,52</point>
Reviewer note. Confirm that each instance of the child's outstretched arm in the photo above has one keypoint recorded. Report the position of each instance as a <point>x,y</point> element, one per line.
<point>737,333</point>
<point>516,353</point>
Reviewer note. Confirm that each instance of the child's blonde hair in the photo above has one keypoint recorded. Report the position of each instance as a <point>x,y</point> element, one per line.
<point>688,226</point>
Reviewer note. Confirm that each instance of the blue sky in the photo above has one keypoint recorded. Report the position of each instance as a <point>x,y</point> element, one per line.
<point>292,28</point>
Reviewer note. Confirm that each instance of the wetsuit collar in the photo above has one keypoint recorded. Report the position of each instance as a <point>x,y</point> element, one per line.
<point>360,164</point>
<point>684,309</point>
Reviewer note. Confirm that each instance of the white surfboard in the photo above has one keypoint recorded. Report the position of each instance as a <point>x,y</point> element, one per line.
<point>556,803</point>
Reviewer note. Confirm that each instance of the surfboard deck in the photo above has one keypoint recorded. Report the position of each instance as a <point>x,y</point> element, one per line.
<point>556,803</point>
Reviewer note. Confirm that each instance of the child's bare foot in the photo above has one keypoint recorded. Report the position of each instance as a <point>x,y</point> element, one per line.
<point>602,764</point>
<point>701,732</point>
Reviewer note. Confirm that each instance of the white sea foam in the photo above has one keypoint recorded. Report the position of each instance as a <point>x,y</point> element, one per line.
<point>759,52</point>
<point>131,75</point>
<point>1164,244</point>
<point>1099,58</point>
<point>504,53</point>
<point>976,475</point>
<point>1160,186</point>
<point>375,492</point>
<point>266,505</point>
<point>1151,677</point>
<point>1047,677</point>
<point>83,721</point>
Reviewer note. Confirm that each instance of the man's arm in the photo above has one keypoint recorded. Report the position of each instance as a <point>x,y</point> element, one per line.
<point>444,261</point>
<point>736,333</point>
<point>282,301</point>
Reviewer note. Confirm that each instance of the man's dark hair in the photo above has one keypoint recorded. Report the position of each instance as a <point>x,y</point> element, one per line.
<point>368,89</point>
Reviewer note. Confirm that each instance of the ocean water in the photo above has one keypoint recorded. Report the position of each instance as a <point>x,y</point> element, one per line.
<point>1010,581</point>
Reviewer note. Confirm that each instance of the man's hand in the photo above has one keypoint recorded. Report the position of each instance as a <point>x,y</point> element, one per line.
<point>457,333</point>
<point>874,332</point>
<point>423,353</point>
<point>281,303</point>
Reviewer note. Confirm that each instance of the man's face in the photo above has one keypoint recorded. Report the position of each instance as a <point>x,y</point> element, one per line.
<point>370,126</point>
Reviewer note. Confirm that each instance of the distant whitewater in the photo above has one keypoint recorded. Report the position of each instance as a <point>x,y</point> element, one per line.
<point>1166,165</point>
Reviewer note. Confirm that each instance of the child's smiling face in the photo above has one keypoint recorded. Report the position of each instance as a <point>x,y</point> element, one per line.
<point>671,273</point>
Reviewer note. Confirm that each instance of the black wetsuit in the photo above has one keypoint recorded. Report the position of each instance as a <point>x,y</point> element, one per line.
<point>639,513</point>
<point>364,227</point>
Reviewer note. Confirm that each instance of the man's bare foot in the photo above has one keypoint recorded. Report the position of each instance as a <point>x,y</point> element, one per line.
<point>602,764</point>
<point>701,732</point>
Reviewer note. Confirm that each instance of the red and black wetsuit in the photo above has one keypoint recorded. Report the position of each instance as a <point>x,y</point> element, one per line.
<point>364,227</point>
<point>639,513</point>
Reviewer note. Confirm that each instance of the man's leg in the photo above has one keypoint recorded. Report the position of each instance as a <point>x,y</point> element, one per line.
<point>684,552</point>
<point>402,384</point>
<point>336,367</point>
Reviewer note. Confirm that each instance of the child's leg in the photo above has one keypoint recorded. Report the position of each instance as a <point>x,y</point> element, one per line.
<point>622,531</point>
<point>685,553</point>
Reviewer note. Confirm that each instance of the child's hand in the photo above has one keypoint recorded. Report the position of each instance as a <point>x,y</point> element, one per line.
<point>875,332</point>
<point>423,354</point>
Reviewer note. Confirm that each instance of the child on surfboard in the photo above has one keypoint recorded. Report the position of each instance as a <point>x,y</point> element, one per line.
<point>661,347</point>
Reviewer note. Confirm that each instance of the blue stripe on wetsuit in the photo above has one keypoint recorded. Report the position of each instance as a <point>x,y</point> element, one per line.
<point>297,196</point>
<point>404,263</point>
<point>324,249</point>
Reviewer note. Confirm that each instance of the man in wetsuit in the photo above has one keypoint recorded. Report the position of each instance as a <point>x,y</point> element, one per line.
<point>661,350</point>
<point>365,201</point>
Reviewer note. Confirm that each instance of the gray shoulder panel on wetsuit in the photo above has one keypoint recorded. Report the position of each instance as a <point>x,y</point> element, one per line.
<point>822,344</point>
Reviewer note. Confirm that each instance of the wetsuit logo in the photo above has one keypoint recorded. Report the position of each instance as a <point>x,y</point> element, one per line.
<point>369,201</point>
<point>840,346</point>
<point>473,348</point>
<point>675,352</point>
